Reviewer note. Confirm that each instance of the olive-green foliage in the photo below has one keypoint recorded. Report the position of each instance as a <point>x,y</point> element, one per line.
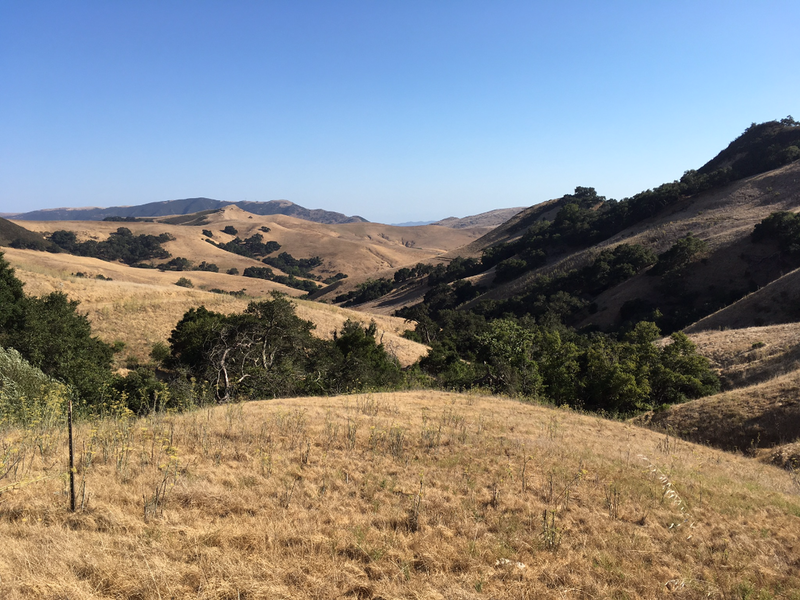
<point>260,353</point>
<point>252,247</point>
<point>142,392</point>
<point>178,263</point>
<point>594,371</point>
<point>679,255</point>
<point>268,352</point>
<point>11,295</point>
<point>206,266</point>
<point>299,267</point>
<point>27,396</point>
<point>160,353</point>
<point>555,298</point>
<point>121,245</point>
<point>506,351</point>
<point>369,290</point>
<point>358,361</point>
<point>55,338</point>
<point>51,335</point>
<point>782,228</point>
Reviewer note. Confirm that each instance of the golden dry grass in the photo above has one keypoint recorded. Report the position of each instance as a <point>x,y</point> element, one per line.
<point>408,495</point>
<point>762,415</point>
<point>144,311</point>
<point>751,355</point>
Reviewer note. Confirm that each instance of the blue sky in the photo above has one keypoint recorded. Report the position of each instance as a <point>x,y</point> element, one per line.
<point>395,111</point>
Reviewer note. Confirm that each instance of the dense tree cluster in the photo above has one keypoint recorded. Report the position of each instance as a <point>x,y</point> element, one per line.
<point>267,351</point>
<point>52,336</point>
<point>782,228</point>
<point>591,371</point>
<point>252,247</point>
<point>299,267</point>
<point>366,291</point>
<point>121,245</point>
<point>288,280</point>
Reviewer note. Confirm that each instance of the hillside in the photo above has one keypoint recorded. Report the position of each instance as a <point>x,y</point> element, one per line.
<point>11,233</point>
<point>713,209</point>
<point>140,307</point>
<point>764,415</point>
<point>758,412</point>
<point>184,207</point>
<point>492,218</point>
<point>417,494</point>
<point>352,248</point>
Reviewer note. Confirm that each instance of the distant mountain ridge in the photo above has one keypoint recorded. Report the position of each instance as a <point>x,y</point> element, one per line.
<point>189,206</point>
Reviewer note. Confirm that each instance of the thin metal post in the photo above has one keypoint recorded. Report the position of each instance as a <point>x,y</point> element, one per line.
<point>71,461</point>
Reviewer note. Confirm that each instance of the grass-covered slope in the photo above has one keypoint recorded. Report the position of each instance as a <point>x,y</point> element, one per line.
<point>412,495</point>
<point>11,233</point>
<point>140,307</point>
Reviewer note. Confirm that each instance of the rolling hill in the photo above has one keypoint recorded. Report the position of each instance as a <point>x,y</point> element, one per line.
<point>356,249</point>
<point>141,306</point>
<point>730,281</point>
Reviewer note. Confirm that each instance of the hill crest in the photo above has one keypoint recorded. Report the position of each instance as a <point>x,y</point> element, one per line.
<point>187,206</point>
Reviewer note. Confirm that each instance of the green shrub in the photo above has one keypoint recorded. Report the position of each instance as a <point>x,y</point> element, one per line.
<point>28,397</point>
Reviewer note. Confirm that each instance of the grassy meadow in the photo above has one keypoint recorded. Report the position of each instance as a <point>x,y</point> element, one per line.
<point>397,495</point>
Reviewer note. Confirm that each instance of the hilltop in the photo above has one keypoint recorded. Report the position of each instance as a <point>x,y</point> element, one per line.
<point>492,218</point>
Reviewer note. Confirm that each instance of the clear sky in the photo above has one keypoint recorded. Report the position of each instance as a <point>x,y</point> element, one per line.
<point>392,110</point>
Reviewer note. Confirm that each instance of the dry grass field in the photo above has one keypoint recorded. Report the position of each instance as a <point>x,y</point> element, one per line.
<point>406,495</point>
<point>141,306</point>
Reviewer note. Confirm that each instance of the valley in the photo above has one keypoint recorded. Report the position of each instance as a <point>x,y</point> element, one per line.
<point>594,398</point>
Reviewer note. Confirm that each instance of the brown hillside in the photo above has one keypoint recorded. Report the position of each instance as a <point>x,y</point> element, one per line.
<point>409,495</point>
<point>141,306</point>
<point>724,219</point>
<point>760,412</point>
<point>777,302</point>
<point>511,229</point>
<point>357,249</point>
<point>751,355</point>
<point>489,219</point>
<point>759,416</point>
